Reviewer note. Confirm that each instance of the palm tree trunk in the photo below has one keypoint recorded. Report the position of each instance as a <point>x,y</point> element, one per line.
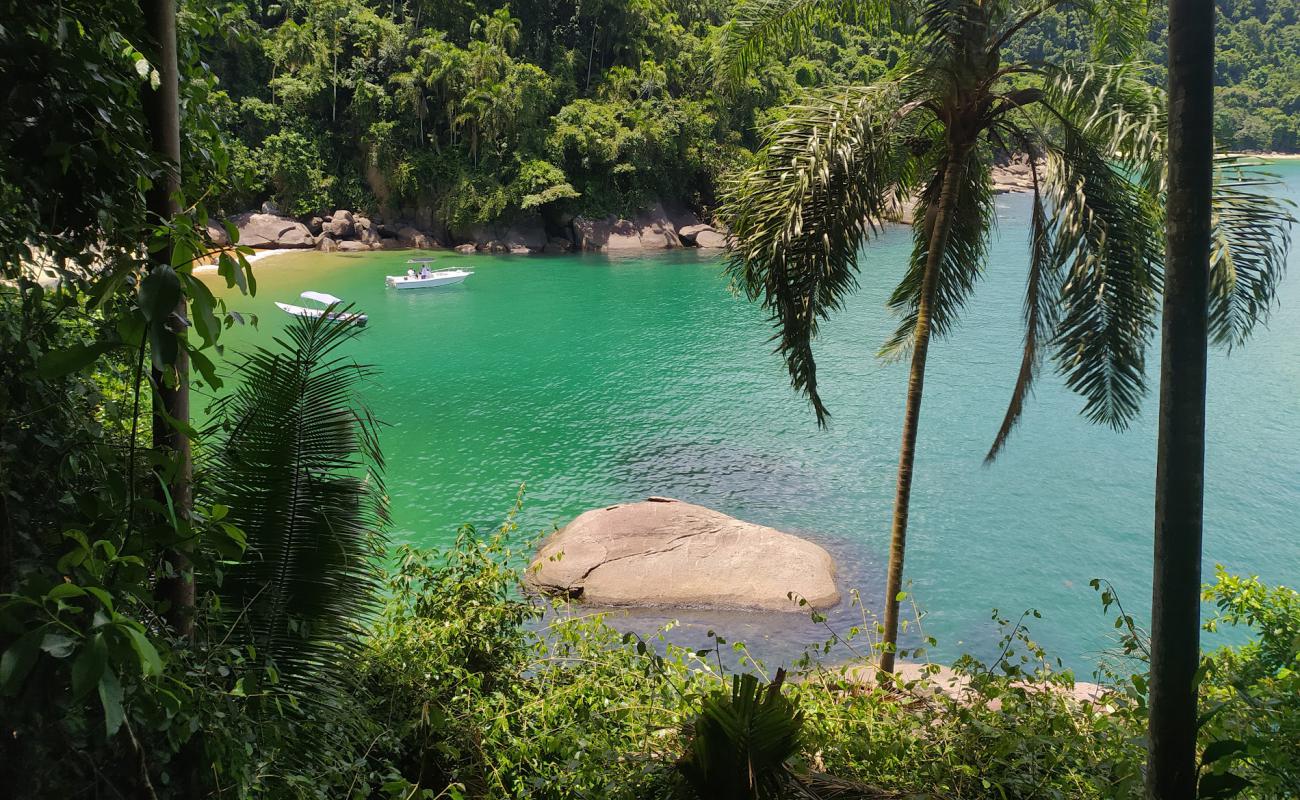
<point>1180,451</point>
<point>162,114</point>
<point>939,223</point>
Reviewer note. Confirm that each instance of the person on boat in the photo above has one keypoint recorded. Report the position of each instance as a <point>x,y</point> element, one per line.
<point>410,274</point>
<point>424,272</point>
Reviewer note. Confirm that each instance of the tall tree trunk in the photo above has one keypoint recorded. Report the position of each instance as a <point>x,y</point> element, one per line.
<point>940,224</point>
<point>1180,452</point>
<point>162,113</point>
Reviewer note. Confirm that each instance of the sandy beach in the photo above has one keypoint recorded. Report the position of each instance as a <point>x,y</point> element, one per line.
<point>260,255</point>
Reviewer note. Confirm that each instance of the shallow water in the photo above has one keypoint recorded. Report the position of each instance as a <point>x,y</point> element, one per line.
<point>599,380</point>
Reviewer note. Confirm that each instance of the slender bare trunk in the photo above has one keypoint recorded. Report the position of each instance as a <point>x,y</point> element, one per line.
<point>1180,451</point>
<point>939,224</point>
<point>162,113</point>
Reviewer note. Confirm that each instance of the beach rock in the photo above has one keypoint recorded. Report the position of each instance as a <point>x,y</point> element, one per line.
<point>414,237</point>
<point>710,239</point>
<point>528,233</point>
<point>269,207</point>
<point>217,233</point>
<point>681,216</point>
<point>477,235</point>
<point>623,235</point>
<point>271,231</point>
<point>341,224</point>
<point>591,234</point>
<point>609,233</point>
<point>353,246</point>
<point>365,231</point>
<point>315,225</point>
<point>326,245</point>
<point>656,230</point>
<point>687,233</point>
<point>467,249</point>
<point>664,552</point>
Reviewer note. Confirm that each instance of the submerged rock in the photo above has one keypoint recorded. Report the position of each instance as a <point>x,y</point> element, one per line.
<point>664,552</point>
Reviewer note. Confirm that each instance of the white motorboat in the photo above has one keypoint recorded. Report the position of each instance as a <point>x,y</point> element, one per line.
<point>425,279</point>
<point>330,301</point>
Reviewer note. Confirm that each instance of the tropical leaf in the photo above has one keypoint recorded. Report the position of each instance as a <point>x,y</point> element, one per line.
<point>974,217</point>
<point>834,168</point>
<point>741,742</point>
<point>1108,231</point>
<point>1250,237</point>
<point>299,467</point>
<point>1042,289</point>
<point>757,25</point>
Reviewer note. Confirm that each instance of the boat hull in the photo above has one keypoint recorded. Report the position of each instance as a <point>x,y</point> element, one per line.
<point>341,317</point>
<point>437,279</point>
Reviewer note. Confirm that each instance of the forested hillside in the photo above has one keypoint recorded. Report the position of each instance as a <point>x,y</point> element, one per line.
<point>456,112</point>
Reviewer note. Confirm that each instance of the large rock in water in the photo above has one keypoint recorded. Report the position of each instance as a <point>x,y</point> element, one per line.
<point>657,232</point>
<point>664,552</point>
<point>271,230</point>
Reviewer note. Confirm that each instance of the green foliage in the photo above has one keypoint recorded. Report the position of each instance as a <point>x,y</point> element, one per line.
<point>742,740</point>
<point>1251,694</point>
<point>620,97</point>
<point>299,468</point>
<point>291,162</point>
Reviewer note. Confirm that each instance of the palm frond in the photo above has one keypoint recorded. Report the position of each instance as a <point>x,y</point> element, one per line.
<point>974,218</point>
<point>1042,288</point>
<point>757,25</point>
<point>299,467</point>
<point>1250,237</point>
<point>1119,27</point>
<point>832,169</point>
<point>1103,186</point>
<point>740,743</point>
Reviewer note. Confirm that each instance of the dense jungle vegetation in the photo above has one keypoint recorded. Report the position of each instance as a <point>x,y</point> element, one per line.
<point>474,112</point>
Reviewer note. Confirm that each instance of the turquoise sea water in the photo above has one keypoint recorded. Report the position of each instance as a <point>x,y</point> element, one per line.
<point>599,380</point>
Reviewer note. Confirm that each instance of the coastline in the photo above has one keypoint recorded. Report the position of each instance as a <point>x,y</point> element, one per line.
<point>260,255</point>
<point>1269,156</point>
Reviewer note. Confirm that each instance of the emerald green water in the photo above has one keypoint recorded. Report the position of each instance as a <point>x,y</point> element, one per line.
<point>598,380</point>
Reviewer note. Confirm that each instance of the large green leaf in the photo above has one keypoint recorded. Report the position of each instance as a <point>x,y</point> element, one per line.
<point>298,465</point>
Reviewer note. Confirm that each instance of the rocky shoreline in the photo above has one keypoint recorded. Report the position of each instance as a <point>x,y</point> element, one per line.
<point>653,229</point>
<point>658,227</point>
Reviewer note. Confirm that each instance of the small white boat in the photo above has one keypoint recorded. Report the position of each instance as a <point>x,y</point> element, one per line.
<point>344,317</point>
<point>424,279</point>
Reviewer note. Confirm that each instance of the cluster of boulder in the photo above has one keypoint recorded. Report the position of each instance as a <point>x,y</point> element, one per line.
<point>652,229</point>
<point>1014,176</point>
<point>345,231</point>
<point>341,231</point>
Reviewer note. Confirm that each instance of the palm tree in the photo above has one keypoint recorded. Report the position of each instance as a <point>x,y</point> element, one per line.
<point>161,288</point>
<point>839,162</point>
<point>1180,451</point>
<point>299,468</point>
